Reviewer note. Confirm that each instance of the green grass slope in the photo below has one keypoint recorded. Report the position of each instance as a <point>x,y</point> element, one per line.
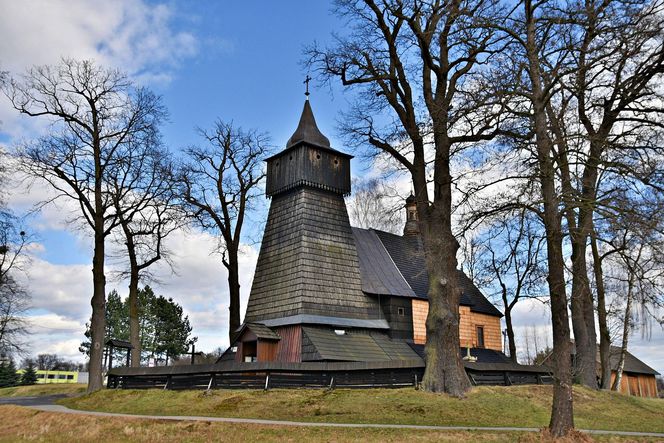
<point>523,406</point>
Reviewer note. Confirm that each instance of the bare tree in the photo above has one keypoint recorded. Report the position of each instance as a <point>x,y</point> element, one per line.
<point>374,205</point>
<point>14,299</point>
<point>219,183</point>
<point>509,264</point>
<point>417,66</point>
<point>145,201</point>
<point>96,113</point>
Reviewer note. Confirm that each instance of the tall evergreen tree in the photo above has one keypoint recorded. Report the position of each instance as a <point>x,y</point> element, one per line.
<point>29,376</point>
<point>8,375</point>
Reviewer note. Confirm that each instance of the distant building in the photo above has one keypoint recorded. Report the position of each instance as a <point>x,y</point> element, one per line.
<point>44,376</point>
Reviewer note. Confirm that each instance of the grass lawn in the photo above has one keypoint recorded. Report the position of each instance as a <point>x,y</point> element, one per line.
<point>23,424</point>
<point>45,389</point>
<point>523,406</point>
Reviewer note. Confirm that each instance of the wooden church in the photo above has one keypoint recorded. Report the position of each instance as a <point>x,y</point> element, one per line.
<point>325,291</point>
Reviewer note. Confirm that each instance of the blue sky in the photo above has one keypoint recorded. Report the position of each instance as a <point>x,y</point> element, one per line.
<point>239,61</point>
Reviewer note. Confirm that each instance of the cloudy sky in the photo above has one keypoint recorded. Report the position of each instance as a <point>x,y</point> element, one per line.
<point>238,61</point>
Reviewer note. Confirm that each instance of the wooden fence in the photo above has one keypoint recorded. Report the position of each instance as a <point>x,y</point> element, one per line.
<point>347,375</point>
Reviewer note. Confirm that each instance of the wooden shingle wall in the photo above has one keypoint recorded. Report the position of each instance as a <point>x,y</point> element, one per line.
<point>468,323</point>
<point>308,263</point>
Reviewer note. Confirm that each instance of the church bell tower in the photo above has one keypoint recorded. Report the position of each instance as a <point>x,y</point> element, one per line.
<point>308,270</point>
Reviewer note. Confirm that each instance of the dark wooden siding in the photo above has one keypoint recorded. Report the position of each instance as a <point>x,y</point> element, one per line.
<point>401,326</point>
<point>308,165</point>
<point>289,348</point>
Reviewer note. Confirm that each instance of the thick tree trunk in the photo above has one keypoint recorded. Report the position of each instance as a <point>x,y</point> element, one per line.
<point>604,335</point>
<point>444,368</point>
<point>134,324</point>
<point>562,416</point>
<point>98,321</point>
<point>233,268</point>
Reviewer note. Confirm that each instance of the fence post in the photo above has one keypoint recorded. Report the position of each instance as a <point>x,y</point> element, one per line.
<point>168,382</point>
<point>267,382</point>
<point>539,379</point>
<point>331,383</point>
<point>211,381</point>
<point>415,381</point>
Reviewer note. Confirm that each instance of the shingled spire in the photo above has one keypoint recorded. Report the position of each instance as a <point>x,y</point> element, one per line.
<point>307,130</point>
<point>308,268</point>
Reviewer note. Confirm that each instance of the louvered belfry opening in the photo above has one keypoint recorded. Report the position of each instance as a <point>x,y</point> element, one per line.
<point>308,269</point>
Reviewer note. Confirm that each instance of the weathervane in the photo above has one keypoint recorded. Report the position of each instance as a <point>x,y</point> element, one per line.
<point>306,82</point>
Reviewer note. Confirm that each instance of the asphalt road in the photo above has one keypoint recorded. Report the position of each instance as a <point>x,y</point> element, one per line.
<point>32,401</point>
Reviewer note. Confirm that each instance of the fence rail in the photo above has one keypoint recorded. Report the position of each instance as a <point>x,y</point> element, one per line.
<point>279,378</point>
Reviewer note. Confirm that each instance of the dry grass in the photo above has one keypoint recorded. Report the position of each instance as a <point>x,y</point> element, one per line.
<point>45,389</point>
<point>22,424</point>
<point>521,406</point>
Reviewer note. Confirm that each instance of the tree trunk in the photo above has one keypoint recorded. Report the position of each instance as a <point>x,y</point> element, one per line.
<point>134,324</point>
<point>98,302</point>
<point>625,335</point>
<point>233,268</point>
<point>583,315</point>
<point>444,370</point>
<point>510,334</point>
<point>562,416</point>
<point>604,335</point>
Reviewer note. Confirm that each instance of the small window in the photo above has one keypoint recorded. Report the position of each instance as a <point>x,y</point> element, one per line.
<point>480,336</point>
<point>51,376</point>
<point>401,311</point>
<point>70,376</point>
<point>40,375</point>
<point>318,156</point>
<point>62,376</point>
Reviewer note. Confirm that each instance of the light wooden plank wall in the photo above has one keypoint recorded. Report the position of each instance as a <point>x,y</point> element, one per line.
<point>640,385</point>
<point>468,323</point>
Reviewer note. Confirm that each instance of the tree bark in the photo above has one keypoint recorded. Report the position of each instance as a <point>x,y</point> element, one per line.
<point>511,342</point>
<point>444,370</point>
<point>134,324</point>
<point>625,335</point>
<point>604,335</point>
<point>233,268</point>
<point>562,417</point>
<point>98,302</point>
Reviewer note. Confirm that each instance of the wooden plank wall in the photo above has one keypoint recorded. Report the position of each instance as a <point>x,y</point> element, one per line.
<point>467,328</point>
<point>640,385</point>
<point>289,348</point>
<point>266,350</point>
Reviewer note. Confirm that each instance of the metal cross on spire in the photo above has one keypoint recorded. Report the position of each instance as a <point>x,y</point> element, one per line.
<point>306,82</point>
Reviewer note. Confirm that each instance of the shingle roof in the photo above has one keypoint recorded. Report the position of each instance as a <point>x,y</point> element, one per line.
<point>261,331</point>
<point>632,364</point>
<point>356,346</point>
<point>379,273</point>
<point>387,261</point>
<point>488,360</point>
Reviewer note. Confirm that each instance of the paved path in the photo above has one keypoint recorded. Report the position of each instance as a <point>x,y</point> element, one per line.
<point>32,401</point>
<point>46,404</point>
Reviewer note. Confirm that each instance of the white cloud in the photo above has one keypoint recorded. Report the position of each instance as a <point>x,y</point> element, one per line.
<point>61,293</point>
<point>132,35</point>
